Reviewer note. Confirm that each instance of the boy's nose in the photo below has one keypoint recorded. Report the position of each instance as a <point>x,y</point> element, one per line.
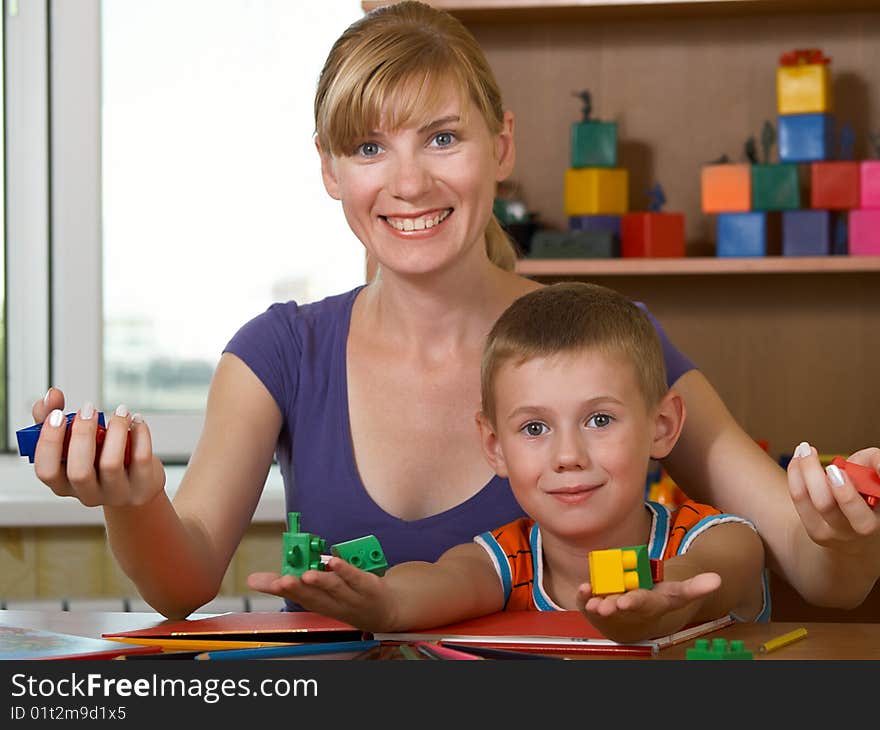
<point>571,453</point>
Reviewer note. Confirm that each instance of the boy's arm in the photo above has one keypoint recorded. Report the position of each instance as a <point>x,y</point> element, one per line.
<point>462,584</point>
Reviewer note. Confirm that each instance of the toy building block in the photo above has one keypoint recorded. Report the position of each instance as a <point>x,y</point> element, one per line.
<point>726,188</point>
<point>718,649</point>
<point>864,479</point>
<point>834,185</point>
<point>806,233</point>
<point>595,223</point>
<point>594,244</point>
<point>596,190</point>
<point>839,234</point>
<point>806,137</point>
<point>741,234</point>
<point>775,187</point>
<point>301,550</point>
<point>620,570</point>
<point>362,552</point>
<point>652,235</point>
<point>594,144</point>
<point>28,437</point>
<point>864,232</point>
<point>869,184</point>
<point>803,82</point>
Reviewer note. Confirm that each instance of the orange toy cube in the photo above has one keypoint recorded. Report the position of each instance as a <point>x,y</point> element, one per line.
<point>652,235</point>
<point>834,185</point>
<point>726,188</point>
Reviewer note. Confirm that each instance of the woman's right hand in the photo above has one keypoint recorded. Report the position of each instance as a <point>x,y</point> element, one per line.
<point>111,482</point>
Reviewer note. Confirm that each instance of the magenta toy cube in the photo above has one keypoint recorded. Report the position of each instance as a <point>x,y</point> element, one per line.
<point>870,184</point>
<point>864,232</point>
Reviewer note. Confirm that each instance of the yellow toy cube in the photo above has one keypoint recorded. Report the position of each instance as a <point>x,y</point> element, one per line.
<point>620,570</point>
<point>596,191</point>
<point>803,89</point>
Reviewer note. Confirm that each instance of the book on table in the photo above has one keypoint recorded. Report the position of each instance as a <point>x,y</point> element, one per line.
<point>18,642</point>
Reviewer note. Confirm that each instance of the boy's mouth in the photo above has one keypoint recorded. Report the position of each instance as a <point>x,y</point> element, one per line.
<point>417,223</point>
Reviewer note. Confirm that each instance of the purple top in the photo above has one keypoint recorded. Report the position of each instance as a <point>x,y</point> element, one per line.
<point>299,354</point>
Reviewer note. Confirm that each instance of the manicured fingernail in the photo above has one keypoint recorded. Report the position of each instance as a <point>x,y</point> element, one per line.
<point>802,450</point>
<point>85,413</point>
<point>55,418</point>
<point>835,475</point>
<point>137,418</point>
<point>122,410</point>
<point>46,397</point>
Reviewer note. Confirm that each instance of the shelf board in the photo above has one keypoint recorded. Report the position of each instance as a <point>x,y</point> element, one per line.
<point>530,10</point>
<point>698,265</point>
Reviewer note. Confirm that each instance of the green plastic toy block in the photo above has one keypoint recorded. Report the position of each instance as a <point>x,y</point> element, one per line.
<point>363,552</point>
<point>301,550</point>
<point>594,144</point>
<point>776,187</point>
<point>719,649</point>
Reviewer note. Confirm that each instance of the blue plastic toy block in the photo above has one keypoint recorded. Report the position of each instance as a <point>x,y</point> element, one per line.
<point>28,437</point>
<point>806,233</point>
<point>595,223</point>
<point>741,234</point>
<point>806,137</point>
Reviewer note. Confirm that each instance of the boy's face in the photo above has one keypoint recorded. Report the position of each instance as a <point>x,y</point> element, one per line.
<point>573,434</point>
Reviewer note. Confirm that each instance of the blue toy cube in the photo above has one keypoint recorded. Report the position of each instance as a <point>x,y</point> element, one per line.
<point>806,233</point>
<point>595,223</point>
<point>741,234</point>
<point>806,137</point>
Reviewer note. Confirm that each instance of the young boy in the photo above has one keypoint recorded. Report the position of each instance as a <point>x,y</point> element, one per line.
<point>574,405</point>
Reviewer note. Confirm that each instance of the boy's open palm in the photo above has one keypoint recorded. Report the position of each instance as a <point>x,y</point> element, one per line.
<point>633,616</point>
<point>341,591</point>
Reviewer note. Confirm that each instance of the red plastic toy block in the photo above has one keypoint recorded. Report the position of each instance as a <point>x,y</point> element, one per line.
<point>652,235</point>
<point>834,185</point>
<point>100,435</point>
<point>864,479</point>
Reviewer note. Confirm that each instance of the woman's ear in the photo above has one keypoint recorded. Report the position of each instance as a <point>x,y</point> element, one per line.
<point>669,418</point>
<point>328,171</point>
<point>505,149</point>
<point>491,445</point>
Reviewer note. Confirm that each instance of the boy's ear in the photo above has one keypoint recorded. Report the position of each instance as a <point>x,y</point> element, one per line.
<point>491,445</point>
<point>328,172</point>
<point>669,418</point>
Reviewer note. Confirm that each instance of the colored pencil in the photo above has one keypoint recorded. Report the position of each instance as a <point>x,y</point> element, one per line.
<point>784,640</point>
<point>493,653</point>
<point>278,652</point>
<point>440,651</point>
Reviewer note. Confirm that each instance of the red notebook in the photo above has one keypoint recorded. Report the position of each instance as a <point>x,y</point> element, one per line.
<point>548,632</point>
<point>281,626</point>
<point>22,643</point>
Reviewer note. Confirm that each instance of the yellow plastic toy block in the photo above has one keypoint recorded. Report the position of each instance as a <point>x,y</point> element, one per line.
<point>596,191</point>
<point>620,570</point>
<point>803,89</point>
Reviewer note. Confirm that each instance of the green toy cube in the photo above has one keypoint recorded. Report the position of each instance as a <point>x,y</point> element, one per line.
<point>301,550</point>
<point>594,144</point>
<point>363,552</point>
<point>776,187</point>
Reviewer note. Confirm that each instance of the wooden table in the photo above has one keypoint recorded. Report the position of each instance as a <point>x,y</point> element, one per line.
<point>824,640</point>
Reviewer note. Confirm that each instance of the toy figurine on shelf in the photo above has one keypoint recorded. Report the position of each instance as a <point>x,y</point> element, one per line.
<point>751,150</point>
<point>586,104</point>
<point>656,198</point>
<point>874,139</point>
<point>768,139</point>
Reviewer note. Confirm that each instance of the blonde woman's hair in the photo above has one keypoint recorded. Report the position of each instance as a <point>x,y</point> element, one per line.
<point>572,317</point>
<point>412,47</point>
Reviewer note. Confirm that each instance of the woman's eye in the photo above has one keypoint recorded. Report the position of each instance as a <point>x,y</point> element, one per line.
<point>444,139</point>
<point>534,429</point>
<point>368,149</point>
<point>600,420</point>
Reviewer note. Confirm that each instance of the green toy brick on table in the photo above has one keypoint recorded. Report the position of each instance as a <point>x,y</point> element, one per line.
<point>776,187</point>
<point>594,144</point>
<point>719,649</point>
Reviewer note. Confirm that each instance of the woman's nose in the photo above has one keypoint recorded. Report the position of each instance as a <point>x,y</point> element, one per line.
<point>409,178</point>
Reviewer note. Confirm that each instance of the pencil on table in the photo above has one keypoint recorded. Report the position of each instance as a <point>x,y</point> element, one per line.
<point>784,640</point>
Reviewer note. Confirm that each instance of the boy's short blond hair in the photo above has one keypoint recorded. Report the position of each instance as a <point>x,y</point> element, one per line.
<point>394,61</point>
<point>571,317</point>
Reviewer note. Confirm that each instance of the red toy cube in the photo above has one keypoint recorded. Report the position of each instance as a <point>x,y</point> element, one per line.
<point>864,479</point>
<point>834,185</point>
<point>864,232</point>
<point>652,235</point>
<point>870,184</point>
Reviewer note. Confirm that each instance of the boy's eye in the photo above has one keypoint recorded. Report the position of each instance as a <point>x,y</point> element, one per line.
<point>534,428</point>
<point>444,139</point>
<point>600,420</point>
<point>368,149</point>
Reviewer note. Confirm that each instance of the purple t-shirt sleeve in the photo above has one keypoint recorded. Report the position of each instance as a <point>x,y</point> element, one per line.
<point>677,363</point>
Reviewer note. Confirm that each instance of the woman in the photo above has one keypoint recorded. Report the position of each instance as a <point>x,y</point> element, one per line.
<point>368,398</point>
